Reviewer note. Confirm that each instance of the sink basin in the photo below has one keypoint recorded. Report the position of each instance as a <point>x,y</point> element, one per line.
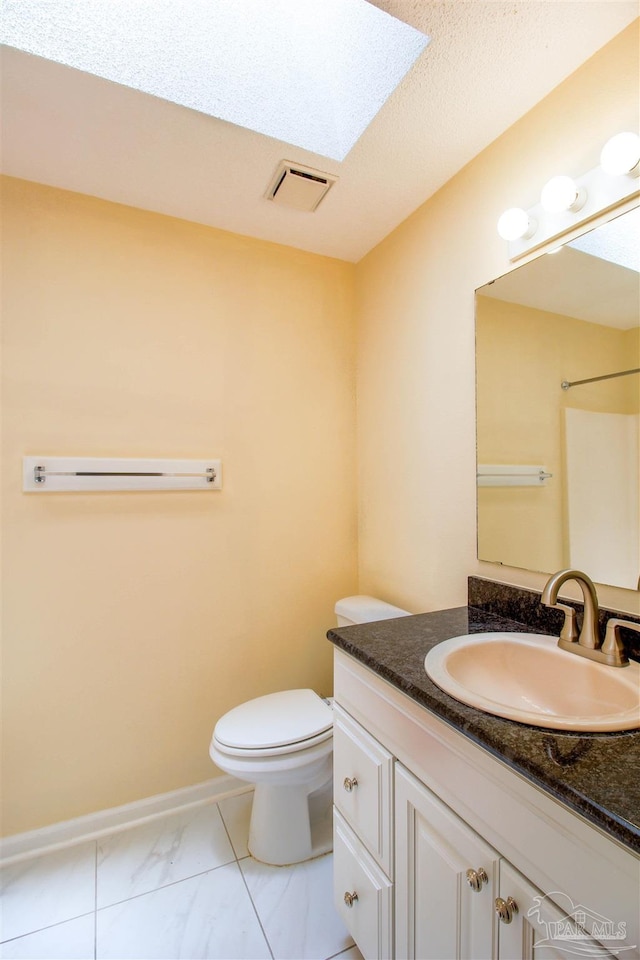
<point>526,677</point>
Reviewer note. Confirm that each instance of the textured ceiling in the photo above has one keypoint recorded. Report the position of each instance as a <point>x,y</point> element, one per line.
<point>480,73</point>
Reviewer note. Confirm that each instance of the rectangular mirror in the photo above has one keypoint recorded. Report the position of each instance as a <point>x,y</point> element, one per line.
<point>558,460</point>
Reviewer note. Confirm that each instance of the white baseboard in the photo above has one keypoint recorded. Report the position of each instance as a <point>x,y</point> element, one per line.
<point>20,846</point>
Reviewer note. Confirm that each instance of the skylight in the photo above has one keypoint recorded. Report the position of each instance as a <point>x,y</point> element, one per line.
<point>313,73</point>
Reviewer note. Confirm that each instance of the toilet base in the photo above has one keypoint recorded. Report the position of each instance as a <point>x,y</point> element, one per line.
<point>290,825</point>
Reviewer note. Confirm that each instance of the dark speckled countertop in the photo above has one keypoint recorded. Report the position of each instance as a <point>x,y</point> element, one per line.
<point>597,774</point>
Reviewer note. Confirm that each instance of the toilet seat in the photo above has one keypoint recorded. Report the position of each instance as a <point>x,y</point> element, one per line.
<point>298,747</point>
<point>277,723</point>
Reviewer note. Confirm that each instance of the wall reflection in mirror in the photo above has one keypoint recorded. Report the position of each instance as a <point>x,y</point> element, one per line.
<point>558,466</point>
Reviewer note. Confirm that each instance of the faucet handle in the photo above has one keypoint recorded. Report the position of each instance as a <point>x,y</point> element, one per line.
<point>569,630</point>
<point>612,645</point>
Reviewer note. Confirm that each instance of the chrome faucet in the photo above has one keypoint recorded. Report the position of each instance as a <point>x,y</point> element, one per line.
<point>587,643</point>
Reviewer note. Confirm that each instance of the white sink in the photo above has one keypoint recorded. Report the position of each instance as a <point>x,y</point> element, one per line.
<point>526,677</point>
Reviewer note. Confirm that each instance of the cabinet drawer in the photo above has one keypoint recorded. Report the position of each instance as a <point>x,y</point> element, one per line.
<point>369,919</point>
<point>362,786</point>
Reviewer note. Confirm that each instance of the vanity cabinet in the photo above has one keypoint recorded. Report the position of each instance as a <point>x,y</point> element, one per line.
<point>443,836</point>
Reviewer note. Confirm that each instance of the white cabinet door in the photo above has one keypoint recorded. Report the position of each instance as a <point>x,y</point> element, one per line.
<point>536,928</point>
<point>363,895</point>
<point>446,880</point>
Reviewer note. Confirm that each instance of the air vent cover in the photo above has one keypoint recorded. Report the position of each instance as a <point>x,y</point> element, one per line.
<point>299,187</point>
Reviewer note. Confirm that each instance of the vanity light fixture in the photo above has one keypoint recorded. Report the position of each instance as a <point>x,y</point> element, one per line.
<point>621,155</point>
<point>561,193</point>
<point>566,203</point>
<point>515,224</point>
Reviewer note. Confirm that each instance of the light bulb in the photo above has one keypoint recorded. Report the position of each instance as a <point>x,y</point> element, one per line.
<point>515,224</point>
<point>560,194</point>
<point>621,155</point>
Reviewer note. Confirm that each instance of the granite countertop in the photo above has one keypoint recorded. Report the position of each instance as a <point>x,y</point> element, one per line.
<point>595,774</point>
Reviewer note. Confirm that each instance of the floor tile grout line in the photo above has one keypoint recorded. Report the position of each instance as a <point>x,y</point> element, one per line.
<point>226,829</point>
<point>78,916</point>
<point>333,956</point>
<point>341,953</point>
<point>264,932</point>
<point>255,909</point>
<point>164,886</point>
<point>48,926</point>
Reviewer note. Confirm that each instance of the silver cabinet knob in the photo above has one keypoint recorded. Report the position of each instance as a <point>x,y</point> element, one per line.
<point>349,783</point>
<point>475,879</point>
<point>350,898</point>
<point>506,909</point>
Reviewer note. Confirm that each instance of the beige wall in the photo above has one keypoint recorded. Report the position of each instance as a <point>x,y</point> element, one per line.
<point>415,302</point>
<point>133,621</point>
<point>522,356</point>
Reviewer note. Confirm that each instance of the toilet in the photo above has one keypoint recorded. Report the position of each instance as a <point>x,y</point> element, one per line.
<point>283,744</point>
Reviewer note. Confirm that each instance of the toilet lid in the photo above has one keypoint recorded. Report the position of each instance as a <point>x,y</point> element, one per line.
<point>275,720</point>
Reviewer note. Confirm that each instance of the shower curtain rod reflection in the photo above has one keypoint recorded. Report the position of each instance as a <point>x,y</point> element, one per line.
<point>607,376</point>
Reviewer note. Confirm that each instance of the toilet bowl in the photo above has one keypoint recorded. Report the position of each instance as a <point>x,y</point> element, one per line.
<point>283,743</point>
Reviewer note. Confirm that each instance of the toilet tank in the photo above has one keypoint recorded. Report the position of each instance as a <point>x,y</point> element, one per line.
<point>362,609</point>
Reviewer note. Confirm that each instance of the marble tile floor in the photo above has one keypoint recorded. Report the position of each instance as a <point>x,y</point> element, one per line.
<point>182,886</point>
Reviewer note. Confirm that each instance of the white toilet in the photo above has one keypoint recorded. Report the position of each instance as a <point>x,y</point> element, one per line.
<point>283,743</point>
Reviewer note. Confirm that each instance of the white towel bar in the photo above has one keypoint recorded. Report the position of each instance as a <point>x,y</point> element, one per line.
<point>511,475</point>
<point>104,474</point>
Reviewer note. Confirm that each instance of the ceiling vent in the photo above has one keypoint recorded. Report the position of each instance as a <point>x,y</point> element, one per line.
<point>299,187</point>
